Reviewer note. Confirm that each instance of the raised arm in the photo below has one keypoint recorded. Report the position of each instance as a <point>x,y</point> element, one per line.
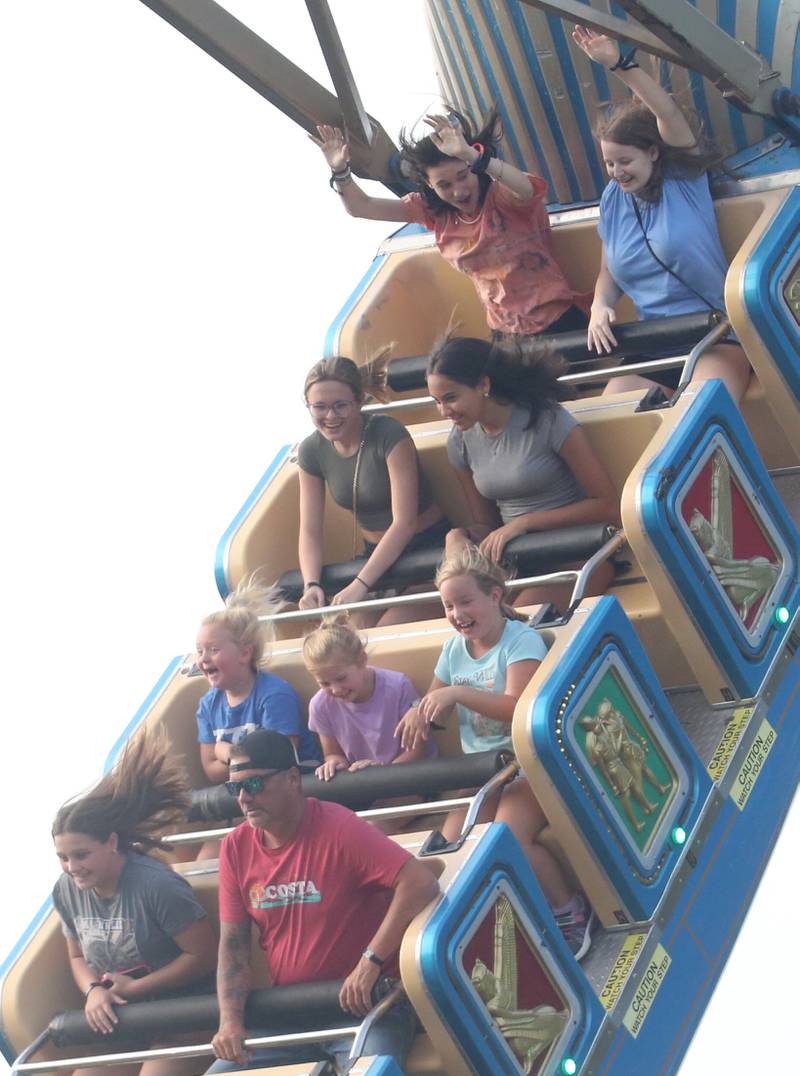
<point>355,200</point>
<point>450,140</point>
<point>672,123</point>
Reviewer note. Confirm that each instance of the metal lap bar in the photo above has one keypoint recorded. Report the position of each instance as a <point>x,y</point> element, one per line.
<point>177,1053</point>
<point>598,374</point>
<point>402,810</point>
<point>697,352</point>
<point>435,844</point>
<point>375,1013</point>
<point>577,574</point>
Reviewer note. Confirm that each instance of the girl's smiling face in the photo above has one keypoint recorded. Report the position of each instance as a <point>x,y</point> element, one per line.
<point>348,681</point>
<point>631,167</point>
<point>473,613</point>
<point>334,410</point>
<point>89,862</point>
<point>223,662</point>
<point>462,404</point>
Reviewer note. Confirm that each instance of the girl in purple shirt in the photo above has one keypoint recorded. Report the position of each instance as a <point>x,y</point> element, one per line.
<point>357,709</point>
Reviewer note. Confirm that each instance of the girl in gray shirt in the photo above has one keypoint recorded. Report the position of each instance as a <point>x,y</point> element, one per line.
<point>522,460</point>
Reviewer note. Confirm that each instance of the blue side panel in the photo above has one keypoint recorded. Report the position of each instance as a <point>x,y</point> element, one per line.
<point>705,922</point>
<point>384,1066</point>
<point>498,866</point>
<point>775,259</point>
<point>221,557</point>
<point>40,916</point>
<point>714,425</point>
<point>607,651</point>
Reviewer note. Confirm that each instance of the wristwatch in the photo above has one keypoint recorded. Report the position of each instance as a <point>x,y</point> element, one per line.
<point>369,955</point>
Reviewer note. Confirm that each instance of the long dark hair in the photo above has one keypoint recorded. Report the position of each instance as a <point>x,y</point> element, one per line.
<point>145,795</point>
<point>633,124</point>
<point>523,371</point>
<point>423,154</point>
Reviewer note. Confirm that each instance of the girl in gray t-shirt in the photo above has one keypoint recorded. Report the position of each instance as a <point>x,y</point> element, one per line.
<point>133,927</point>
<point>522,460</point>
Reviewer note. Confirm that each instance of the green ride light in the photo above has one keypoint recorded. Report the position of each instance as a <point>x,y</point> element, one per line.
<point>569,1066</point>
<point>679,836</point>
<point>781,615</point>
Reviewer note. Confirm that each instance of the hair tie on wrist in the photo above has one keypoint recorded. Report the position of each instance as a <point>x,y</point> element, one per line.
<point>481,162</point>
<point>363,582</point>
<point>340,177</point>
<point>626,61</point>
<point>312,583</point>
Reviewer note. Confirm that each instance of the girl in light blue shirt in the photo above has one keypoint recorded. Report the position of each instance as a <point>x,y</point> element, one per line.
<point>661,243</point>
<point>481,674</point>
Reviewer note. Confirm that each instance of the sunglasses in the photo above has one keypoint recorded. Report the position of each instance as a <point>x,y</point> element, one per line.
<point>251,785</point>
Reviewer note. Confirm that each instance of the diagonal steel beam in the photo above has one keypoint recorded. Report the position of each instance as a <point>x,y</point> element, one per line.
<point>355,118</point>
<point>577,12</point>
<point>285,85</point>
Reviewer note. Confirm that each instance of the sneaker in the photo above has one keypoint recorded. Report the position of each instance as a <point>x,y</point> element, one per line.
<point>576,928</point>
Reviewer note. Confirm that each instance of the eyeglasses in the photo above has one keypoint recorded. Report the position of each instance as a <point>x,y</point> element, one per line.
<point>251,785</point>
<point>340,408</point>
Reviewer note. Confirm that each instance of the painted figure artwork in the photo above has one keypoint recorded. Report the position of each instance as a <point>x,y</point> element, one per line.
<point>731,538</point>
<point>529,1031</point>
<point>618,750</point>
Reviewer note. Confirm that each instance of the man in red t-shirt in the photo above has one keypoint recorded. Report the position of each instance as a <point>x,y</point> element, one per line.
<point>331,897</point>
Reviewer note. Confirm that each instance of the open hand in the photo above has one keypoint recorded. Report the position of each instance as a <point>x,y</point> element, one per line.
<point>333,145</point>
<point>353,592</point>
<point>599,48</point>
<point>326,771</point>
<point>600,338</point>
<point>449,139</point>
<point>362,764</point>
<point>99,1009</point>
<point>495,542</point>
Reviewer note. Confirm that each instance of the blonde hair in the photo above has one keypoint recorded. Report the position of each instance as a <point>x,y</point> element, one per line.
<point>366,380</point>
<point>332,642</point>
<point>469,560</point>
<point>243,607</point>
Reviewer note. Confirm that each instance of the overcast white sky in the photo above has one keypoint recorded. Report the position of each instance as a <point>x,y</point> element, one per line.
<point>172,257</point>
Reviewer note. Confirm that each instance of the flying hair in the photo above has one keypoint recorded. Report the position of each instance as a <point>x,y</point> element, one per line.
<point>522,371</point>
<point>369,379</point>
<point>145,795</point>
<point>468,560</point>
<point>334,642</point>
<point>241,615</point>
<point>633,124</point>
<point>418,155</point>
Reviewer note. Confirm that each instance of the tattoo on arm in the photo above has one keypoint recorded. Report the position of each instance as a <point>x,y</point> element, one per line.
<point>233,972</point>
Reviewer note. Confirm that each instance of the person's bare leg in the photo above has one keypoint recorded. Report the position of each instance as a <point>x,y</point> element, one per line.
<point>455,819</point>
<point>630,383</point>
<point>727,362</point>
<point>522,813</point>
<point>192,1067</point>
<point>547,839</point>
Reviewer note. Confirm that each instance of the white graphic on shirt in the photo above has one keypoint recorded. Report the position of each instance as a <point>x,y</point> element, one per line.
<point>281,894</point>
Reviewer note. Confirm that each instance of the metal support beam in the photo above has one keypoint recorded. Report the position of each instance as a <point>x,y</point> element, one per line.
<point>285,85</point>
<point>676,31</point>
<point>355,118</point>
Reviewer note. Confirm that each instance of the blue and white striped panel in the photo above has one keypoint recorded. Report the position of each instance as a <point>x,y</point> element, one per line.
<point>549,93</point>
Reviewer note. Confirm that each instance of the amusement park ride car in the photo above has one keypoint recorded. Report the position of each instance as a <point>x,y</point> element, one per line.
<point>661,731</point>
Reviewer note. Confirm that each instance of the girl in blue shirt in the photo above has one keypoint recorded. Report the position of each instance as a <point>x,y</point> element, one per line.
<point>481,673</point>
<point>658,190</point>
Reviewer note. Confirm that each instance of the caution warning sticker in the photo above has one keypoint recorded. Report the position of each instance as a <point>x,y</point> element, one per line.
<point>729,741</point>
<point>646,992</point>
<point>745,780</point>
<point>621,969</point>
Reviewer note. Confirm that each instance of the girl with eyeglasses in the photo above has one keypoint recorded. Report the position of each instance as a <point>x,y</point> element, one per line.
<point>370,465</point>
<point>232,654</point>
<point>133,927</point>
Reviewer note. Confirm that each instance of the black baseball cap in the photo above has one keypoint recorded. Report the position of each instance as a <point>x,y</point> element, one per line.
<point>266,750</point>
